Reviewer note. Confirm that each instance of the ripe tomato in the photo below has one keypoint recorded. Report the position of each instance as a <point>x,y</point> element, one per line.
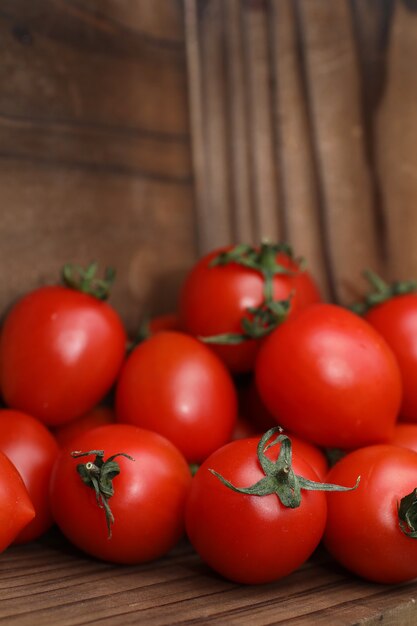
<point>396,320</point>
<point>169,321</point>
<point>251,538</point>
<point>215,299</point>
<point>148,501</point>
<point>16,508</point>
<point>32,450</point>
<point>330,378</point>
<point>174,385</point>
<point>60,352</point>
<point>99,416</point>
<point>405,436</point>
<point>363,529</point>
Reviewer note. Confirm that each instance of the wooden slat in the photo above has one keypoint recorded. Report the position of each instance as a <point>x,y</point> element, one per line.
<point>396,131</point>
<point>179,589</point>
<point>300,194</point>
<point>334,93</point>
<point>95,160</point>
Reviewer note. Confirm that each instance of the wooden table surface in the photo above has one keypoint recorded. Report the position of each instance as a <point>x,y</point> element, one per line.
<point>48,582</point>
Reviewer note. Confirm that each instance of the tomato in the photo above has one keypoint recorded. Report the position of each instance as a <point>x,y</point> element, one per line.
<point>61,351</point>
<point>396,321</point>
<point>174,385</point>
<point>251,538</point>
<point>33,450</point>
<point>169,321</point>
<point>405,436</point>
<point>363,530</point>
<point>16,508</point>
<point>215,299</point>
<point>99,416</point>
<point>330,378</point>
<point>148,500</point>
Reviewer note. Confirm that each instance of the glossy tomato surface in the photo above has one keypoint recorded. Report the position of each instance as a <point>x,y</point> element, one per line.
<point>329,377</point>
<point>405,436</point>
<point>396,321</point>
<point>246,538</point>
<point>214,299</point>
<point>16,508</point>
<point>148,501</point>
<point>60,353</point>
<point>363,531</point>
<point>32,450</point>
<point>174,385</point>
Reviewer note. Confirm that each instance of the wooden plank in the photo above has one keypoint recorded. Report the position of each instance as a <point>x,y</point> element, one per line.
<point>63,586</point>
<point>334,92</point>
<point>300,194</point>
<point>396,129</point>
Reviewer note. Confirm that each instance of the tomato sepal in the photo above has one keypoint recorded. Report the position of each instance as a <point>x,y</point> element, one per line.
<point>99,475</point>
<point>407,513</point>
<point>85,280</point>
<point>381,291</point>
<point>280,478</point>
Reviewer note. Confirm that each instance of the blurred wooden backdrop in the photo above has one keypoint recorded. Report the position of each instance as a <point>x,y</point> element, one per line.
<point>141,133</point>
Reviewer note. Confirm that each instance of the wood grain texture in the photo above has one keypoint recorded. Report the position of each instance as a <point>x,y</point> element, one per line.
<point>65,587</point>
<point>95,158</point>
<point>299,117</point>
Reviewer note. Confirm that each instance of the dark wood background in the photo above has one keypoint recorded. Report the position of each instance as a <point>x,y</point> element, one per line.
<point>141,133</point>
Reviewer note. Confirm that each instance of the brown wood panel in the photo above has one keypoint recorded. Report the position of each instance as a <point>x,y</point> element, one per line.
<point>396,132</point>
<point>95,159</point>
<point>49,582</point>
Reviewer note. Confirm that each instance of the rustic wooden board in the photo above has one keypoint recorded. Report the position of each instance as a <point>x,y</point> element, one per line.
<point>48,582</point>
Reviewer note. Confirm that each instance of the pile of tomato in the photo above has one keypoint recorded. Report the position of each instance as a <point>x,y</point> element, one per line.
<point>257,419</point>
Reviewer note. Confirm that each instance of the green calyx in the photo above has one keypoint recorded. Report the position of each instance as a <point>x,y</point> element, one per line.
<point>99,475</point>
<point>263,319</point>
<point>85,280</point>
<point>381,291</point>
<point>407,514</point>
<point>280,478</point>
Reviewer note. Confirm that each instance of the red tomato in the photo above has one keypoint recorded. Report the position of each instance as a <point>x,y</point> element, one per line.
<point>214,300</point>
<point>99,416</point>
<point>330,378</point>
<point>16,509</point>
<point>247,538</point>
<point>169,321</point>
<point>174,385</point>
<point>60,353</point>
<point>148,501</point>
<point>32,450</point>
<point>405,436</point>
<point>363,528</point>
<point>396,321</point>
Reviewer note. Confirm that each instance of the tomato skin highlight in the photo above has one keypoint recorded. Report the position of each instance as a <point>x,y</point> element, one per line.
<point>362,530</point>
<point>148,501</point>
<point>250,539</point>
<point>330,378</point>
<point>60,353</point>
<point>32,450</point>
<point>16,508</point>
<point>174,385</point>
<point>396,320</point>
<point>214,299</point>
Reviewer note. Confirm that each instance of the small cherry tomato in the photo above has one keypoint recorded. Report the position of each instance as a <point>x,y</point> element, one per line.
<point>16,508</point>
<point>372,531</point>
<point>174,385</point>
<point>245,517</point>
<point>32,450</point>
<point>99,416</point>
<point>221,288</point>
<point>122,497</point>
<point>329,377</point>
<point>405,436</point>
